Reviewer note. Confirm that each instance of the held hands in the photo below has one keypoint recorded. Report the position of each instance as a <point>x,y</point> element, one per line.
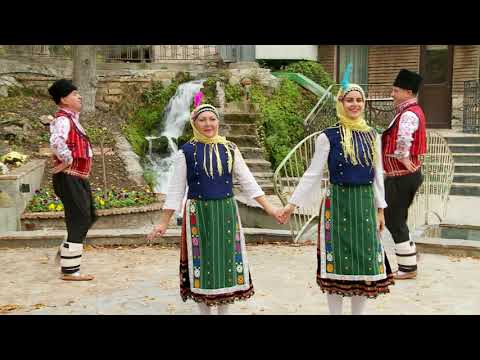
<point>285,213</point>
<point>60,167</point>
<point>408,164</point>
<point>275,212</point>
<point>160,229</point>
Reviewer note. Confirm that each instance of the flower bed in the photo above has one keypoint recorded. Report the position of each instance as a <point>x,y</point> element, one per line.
<point>120,209</point>
<point>10,161</point>
<point>45,200</point>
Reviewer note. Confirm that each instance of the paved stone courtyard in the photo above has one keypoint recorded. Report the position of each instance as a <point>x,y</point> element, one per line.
<point>144,280</point>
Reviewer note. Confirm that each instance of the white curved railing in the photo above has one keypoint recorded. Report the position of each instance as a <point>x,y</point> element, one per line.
<point>431,198</point>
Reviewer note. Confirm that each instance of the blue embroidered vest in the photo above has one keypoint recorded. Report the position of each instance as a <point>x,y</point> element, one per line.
<point>343,172</point>
<point>200,185</point>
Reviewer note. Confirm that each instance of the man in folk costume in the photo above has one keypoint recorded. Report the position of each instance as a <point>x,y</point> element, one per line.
<point>402,145</point>
<point>72,162</point>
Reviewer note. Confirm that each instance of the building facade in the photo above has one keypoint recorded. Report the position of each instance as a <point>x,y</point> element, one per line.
<point>445,68</point>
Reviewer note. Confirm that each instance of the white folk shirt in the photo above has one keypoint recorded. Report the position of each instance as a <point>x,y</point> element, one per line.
<point>59,130</point>
<point>177,186</point>
<point>408,125</point>
<point>312,178</point>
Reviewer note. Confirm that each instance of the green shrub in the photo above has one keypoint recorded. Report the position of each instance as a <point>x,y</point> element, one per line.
<point>209,89</point>
<point>281,117</point>
<point>311,69</point>
<point>186,136</point>
<point>136,137</point>
<point>233,92</point>
<point>150,177</point>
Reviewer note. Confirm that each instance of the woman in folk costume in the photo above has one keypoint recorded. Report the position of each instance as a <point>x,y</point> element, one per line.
<point>214,268</point>
<point>351,258</point>
<point>72,163</point>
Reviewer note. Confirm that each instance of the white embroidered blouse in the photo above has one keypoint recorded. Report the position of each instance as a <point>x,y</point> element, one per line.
<point>59,130</point>
<point>305,195</point>
<point>177,187</point>
<point>408,125</point>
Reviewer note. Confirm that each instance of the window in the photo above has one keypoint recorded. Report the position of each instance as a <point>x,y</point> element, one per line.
<point>436,64</point>
<point>358,56</point>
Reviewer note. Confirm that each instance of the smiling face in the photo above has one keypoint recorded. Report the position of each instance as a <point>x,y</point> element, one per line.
<point>207,124</point>
<point>401,95</point>
<point>353,104</point>
<point>72,101</point>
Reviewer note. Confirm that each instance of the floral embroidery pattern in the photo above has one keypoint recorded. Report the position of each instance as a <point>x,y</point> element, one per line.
<point>238,257</point>
<point>328,235</point>
<point>239,268</point>
<point>381,268</point>
<point>195,236</point>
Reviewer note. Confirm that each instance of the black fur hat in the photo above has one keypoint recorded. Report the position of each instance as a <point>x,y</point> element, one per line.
<point>61,88</point>
<point>408,80</point>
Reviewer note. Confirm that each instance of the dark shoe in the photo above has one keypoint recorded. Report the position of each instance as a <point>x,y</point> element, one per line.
<point>68,277</point>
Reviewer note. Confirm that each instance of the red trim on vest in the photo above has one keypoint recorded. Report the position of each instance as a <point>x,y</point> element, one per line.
<point>78,143</point>
<point>391,165</point>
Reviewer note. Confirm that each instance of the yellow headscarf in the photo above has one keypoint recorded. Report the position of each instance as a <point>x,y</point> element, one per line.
<point>211,143</point>
<point>348,124</point>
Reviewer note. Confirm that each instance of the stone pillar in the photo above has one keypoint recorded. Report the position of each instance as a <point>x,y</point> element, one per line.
<point>156,51</point>
<point>246,53</point>
<point>44,50</point>
<point>243,57</point>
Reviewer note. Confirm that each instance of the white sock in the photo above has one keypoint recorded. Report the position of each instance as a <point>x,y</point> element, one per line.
<point>204,309</point>
<point>223,309</point>
<point>358,305</point>
<point>77,273</point>
<point>335,304</point>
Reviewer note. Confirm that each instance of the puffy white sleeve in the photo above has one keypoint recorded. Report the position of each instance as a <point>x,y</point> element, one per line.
<point>177,184</point>
<point>378,185</point>
<point>59,129</point>
<point>305,195</point>
<point>408,125</point>
<point>243,175</point>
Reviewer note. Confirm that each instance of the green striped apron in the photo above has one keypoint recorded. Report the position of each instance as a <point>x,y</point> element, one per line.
<point>350,247</point>
<point>217,258</point>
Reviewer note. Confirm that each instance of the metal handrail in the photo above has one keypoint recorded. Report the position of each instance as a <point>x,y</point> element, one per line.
<point>431,198</point>
<point>319,102</point>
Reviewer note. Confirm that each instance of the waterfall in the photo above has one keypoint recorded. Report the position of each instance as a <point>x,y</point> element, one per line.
<point>176,116</point>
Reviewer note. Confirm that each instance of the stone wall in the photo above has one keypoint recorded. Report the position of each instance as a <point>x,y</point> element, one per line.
<point>114,79</point>
<point>122,218</point>
<point>252,71</point>
<point>27,177</point>
<point>110,89</point>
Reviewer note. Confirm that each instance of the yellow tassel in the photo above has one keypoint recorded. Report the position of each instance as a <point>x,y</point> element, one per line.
<point>349,145</point>
<point>212,144</point>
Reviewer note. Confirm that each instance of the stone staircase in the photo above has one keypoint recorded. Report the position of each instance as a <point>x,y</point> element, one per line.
<point>466,154</point>
<point>239,127</point>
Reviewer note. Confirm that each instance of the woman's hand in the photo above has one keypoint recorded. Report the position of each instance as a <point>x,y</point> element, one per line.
<point>287,212</point>
<point>274,212</point>
<point>380,220</point>
<point>160,229</point>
